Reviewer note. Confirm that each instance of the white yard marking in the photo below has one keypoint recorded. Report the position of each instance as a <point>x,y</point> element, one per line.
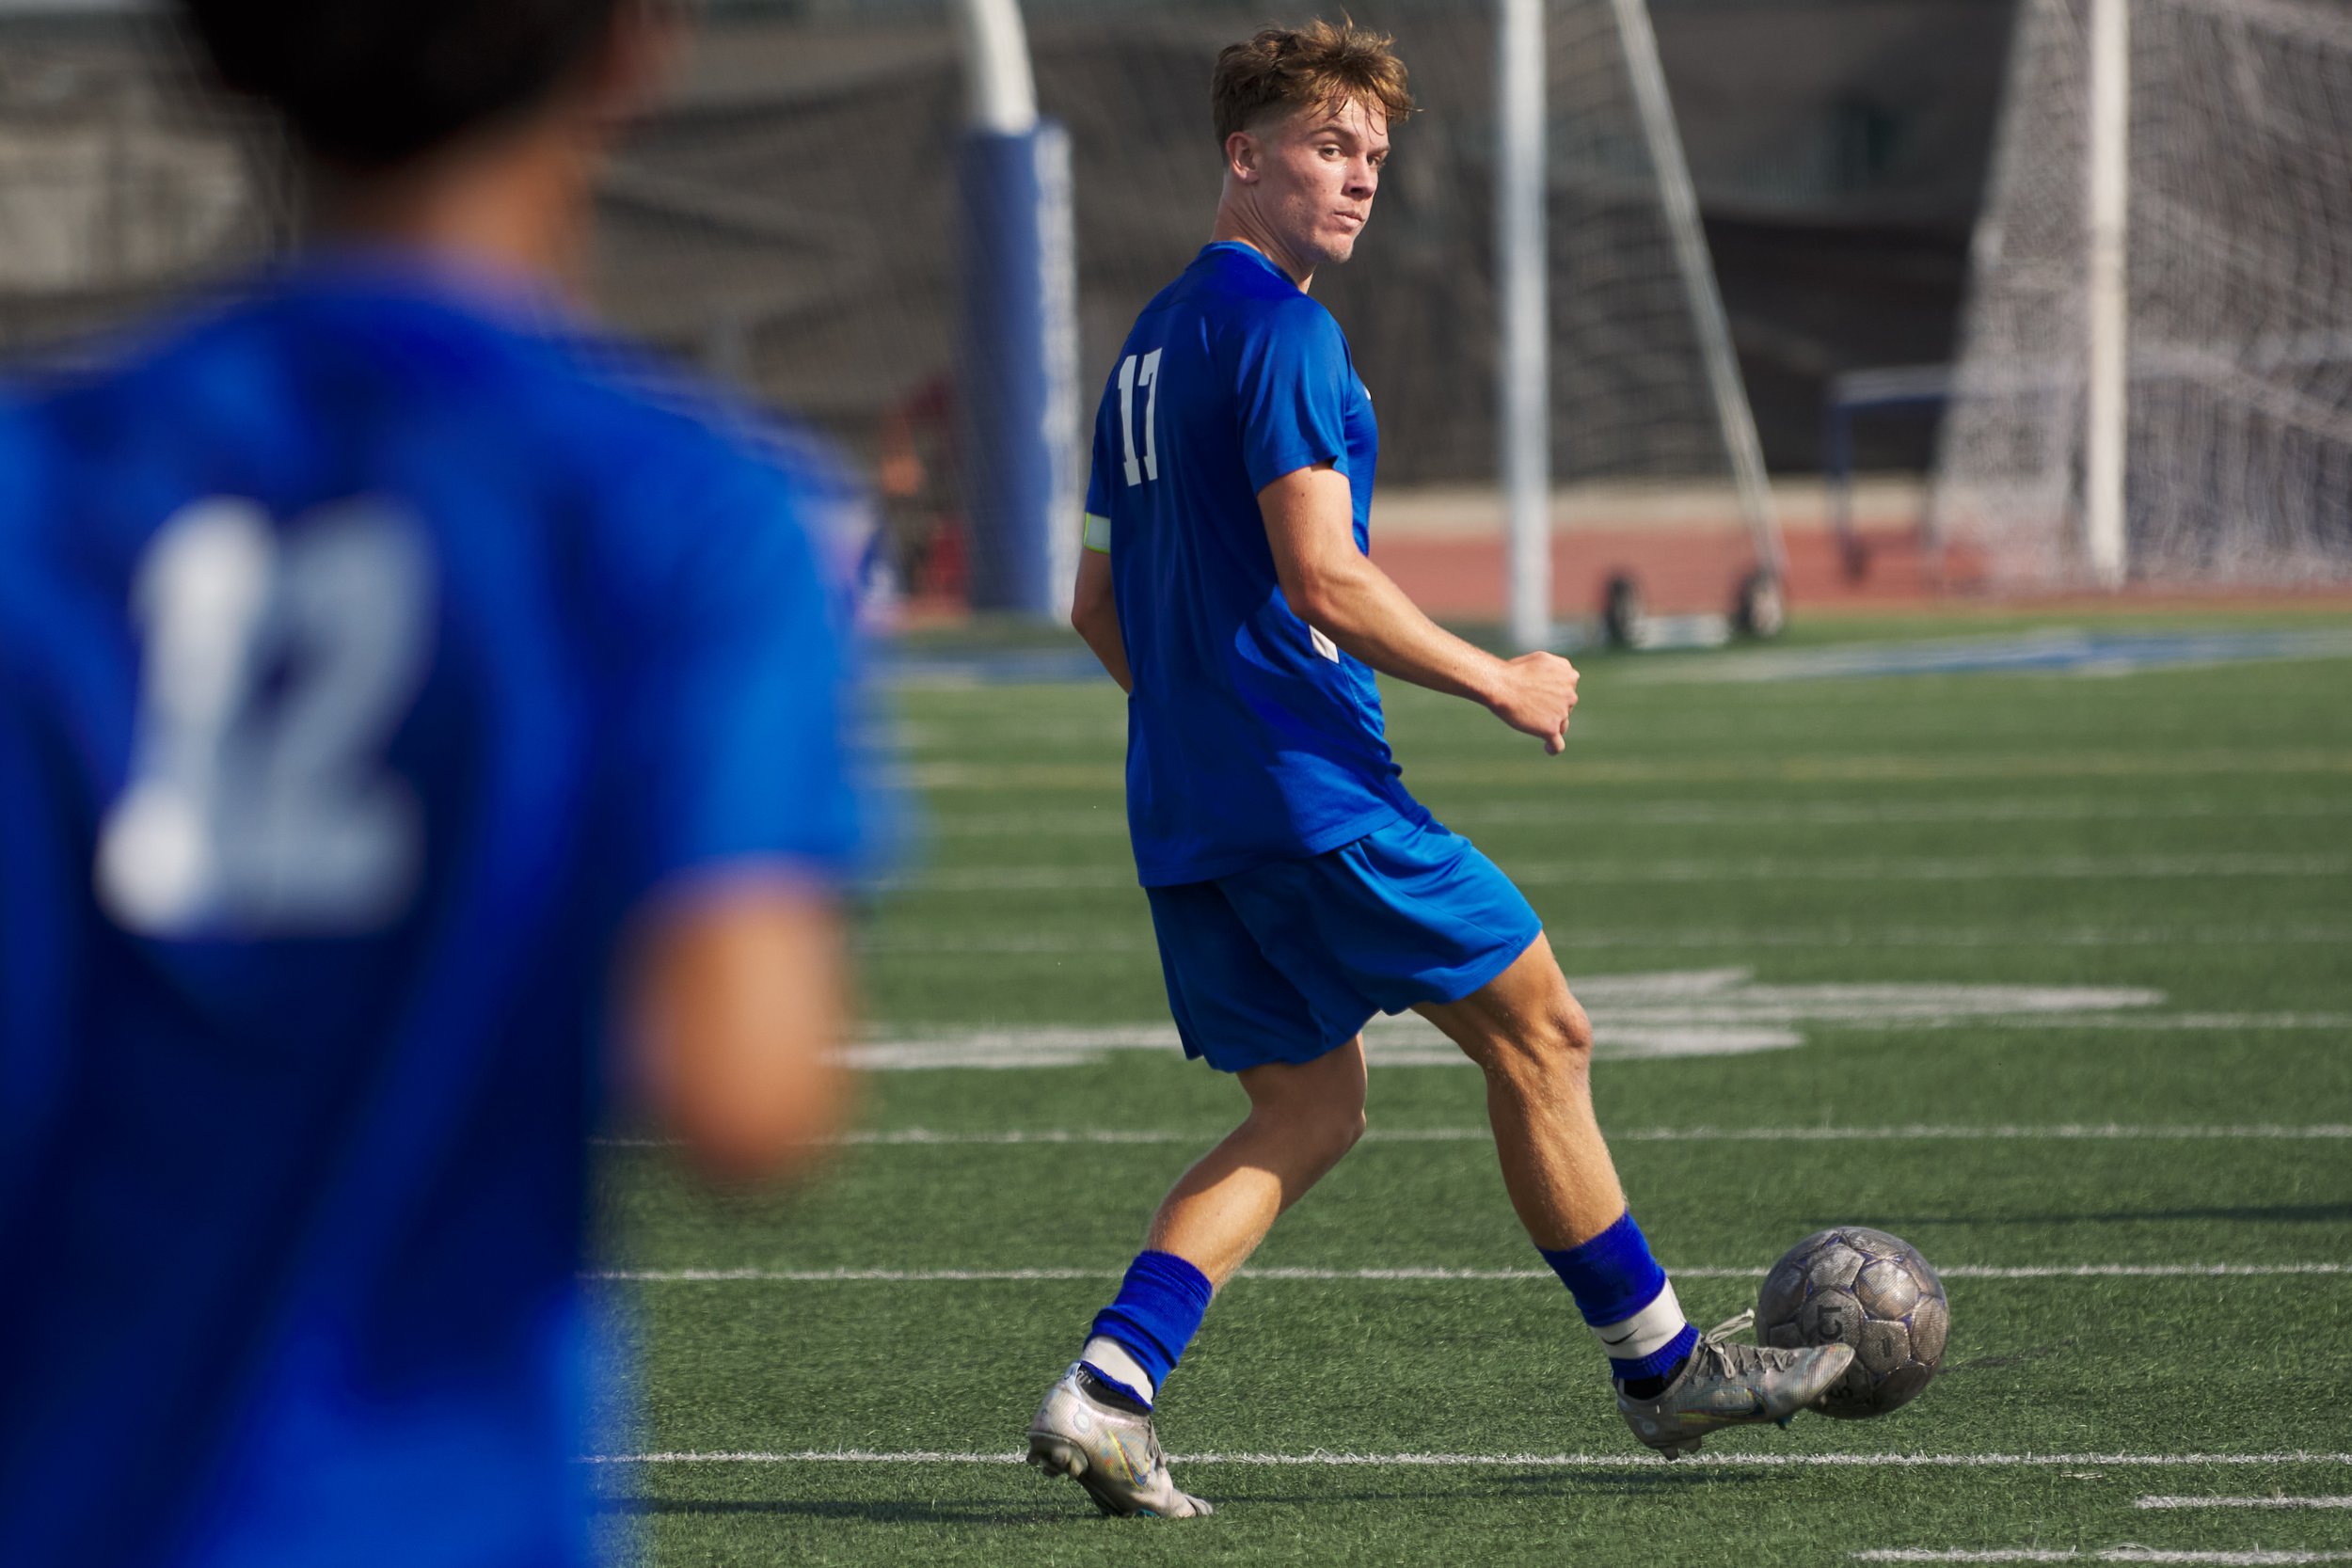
<point>2159,1022</point>
<point>1859,814</point>
<point>2057,651</point>
<point>993,944</point>
<point>1437,1273</point>
<point>1320,1459</point>
<point>2063,1132</point>
<point>842,1277</point>
<point>1708,1012</point>
<point>2133,1270</point>
<point>1094,942</point>
<point>2108,1554</point>
<point>1571,817</point>
<point>1580,772</point>
<point>1408,1042</point>
<point>2243,1502</point>
<point>1930,868</point>
<point>924,1137</point>
<point>1728,869</point>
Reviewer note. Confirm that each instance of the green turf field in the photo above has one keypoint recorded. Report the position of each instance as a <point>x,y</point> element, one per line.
<point>2070,954</point>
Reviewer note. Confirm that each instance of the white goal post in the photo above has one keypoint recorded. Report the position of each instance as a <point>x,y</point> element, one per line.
<point>2108,328</point>
<point>1605,100</point>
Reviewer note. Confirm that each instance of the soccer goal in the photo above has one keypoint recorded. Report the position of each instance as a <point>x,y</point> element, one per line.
<point>1632,455</point>
<point>2155,382</point>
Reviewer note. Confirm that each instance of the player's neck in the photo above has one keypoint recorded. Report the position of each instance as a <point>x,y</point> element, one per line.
<point>517,205</point>
<point>1238,225</point>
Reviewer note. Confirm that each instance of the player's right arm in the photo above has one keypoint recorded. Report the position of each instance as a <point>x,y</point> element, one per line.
<point>1093,607</point>
<point>1094,611</point>
<point>1335,587</point>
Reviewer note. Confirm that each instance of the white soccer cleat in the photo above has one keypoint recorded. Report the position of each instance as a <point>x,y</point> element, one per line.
<point>1105,1443</point>
<point>1725,1384</point>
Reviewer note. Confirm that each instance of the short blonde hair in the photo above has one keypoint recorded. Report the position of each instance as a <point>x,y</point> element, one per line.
<point>1322,65</point>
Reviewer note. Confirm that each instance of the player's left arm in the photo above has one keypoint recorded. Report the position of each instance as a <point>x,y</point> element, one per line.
<point>739,999</point>
<point>1094,611</point>
<point>1291,380</point>
<point>739,821</point>
<point>1338,590</point>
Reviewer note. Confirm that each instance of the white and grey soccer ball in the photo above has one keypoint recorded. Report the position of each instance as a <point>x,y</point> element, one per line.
<point>1863,1288</point>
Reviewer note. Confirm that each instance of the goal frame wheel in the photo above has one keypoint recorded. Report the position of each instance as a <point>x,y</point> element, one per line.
<point>1621,611</point>
<point>1759,610</point>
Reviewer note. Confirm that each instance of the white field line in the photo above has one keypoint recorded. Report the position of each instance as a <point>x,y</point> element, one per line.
<point>2153,1021</point>
<point>1105,778</point>
<point>2107,1554</point>
<point>1711,814</point>
<point>1323,1458</point>
<point>1738,1025</point>
<point>1096,943</point>
<point>1755,868</point>
<point>2243,1502</point>
<point>925,1137</point>
<point>1675,1013</point>
<point>934,1276</point>
<point>2060,650</point>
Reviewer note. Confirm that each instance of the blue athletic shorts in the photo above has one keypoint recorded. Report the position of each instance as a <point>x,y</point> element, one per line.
<point>1288,960</point>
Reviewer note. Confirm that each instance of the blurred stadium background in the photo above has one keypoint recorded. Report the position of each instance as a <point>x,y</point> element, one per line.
<point>1888,926</point>
<point>790,221</point>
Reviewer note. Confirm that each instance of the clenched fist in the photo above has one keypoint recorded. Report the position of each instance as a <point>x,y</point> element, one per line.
<point>1535,695</point>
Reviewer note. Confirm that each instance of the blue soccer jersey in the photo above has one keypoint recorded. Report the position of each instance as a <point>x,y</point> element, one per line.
<point>368,649</point>
<point>1251,736</point>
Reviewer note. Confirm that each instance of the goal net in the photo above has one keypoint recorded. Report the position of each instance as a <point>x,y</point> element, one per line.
<point>2237,304</point>
<point>788,220</point>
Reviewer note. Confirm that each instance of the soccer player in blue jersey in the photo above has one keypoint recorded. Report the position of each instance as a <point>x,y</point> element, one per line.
<point>1295,887</point>
<point>394,679</point>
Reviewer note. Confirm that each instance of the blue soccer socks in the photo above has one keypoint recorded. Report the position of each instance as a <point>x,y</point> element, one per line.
<point>1621,1292</point>
<point>1137,1339</point>
<point>1626,1301</point>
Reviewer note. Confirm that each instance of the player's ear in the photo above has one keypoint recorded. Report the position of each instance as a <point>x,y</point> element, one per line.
<point>1241,156</point>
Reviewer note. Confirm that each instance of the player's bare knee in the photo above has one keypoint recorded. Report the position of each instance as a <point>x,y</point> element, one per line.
<point>1328,1124</point>
<point>1552,1049</point>
<point>1570,1045</point>
<point>1340,1134</point>
<point>1575,1030</point>
<point>1338,1123</point>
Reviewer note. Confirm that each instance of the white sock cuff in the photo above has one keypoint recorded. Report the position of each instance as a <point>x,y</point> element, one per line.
<point>1645,1333</point>
<point>1111,1358</point>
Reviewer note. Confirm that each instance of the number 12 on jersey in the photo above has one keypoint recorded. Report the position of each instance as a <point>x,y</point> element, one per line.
<point>1143,370</point>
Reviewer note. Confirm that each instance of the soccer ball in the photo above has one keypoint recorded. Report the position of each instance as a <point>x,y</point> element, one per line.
<point>1869,1289</point>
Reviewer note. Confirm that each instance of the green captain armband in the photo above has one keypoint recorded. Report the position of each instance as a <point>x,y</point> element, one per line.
<point>1097,534</point>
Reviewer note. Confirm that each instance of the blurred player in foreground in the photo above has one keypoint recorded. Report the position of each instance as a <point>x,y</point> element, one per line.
<point>389,689</point>
<point>1295,887</point>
